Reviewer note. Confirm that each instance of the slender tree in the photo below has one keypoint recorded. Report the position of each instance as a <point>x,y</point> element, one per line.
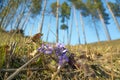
<point>77,28</point>
<point>64,27</point>
<point>20,16</point>
<point>112,13</point>
<point>103,17</point>
<point>96,30</point>
<point>83,29</point>
<point>14,11</point>
<point>57,22</point>
<point>49,25</point>
<point>55,10</point>
<point>91,9</point>
<point>70,35</point>
<point>16,18</point>
<point>5,12</point>
<point>26,19</point>
<point>41,25</point>
<point>79,5</point>
<point>65,15</point>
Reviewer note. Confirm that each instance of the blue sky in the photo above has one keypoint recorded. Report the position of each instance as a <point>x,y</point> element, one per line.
<point>34,24</point>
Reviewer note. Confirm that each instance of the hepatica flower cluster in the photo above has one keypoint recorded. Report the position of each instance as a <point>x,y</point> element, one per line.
<point>46,49</point>
<point>60,51</point>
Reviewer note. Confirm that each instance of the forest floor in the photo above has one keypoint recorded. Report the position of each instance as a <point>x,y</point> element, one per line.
<point>95,61</point>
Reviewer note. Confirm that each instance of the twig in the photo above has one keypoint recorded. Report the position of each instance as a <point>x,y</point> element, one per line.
<point>19,69</point>
<point>12,70</point>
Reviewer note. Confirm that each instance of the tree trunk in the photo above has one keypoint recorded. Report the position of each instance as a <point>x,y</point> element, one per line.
<point>83,28</point>
<point>96,31</point>
<point>41,26</point>
<point>7,21</point>
<point>23,27</point>
<point>5,13</point>
<point>3,19</point>
<point>57,22</point>
<point>71,29</point>
<point>77,28</point>
<point>103,23</point>
<point>18,20</point>
<point>63,36</point>
<point>67,33</point>
<point>49,28</point>
<point>67,36</point>
<point>113,16</point>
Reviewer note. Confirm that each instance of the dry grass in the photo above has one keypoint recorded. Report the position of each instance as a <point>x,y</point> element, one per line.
<point>102,60</point>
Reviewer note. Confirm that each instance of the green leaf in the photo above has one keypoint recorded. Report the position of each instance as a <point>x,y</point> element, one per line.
<point>65,11</point>
<point>64,27</point>
<point>54,8</point>
<point>36,6</point>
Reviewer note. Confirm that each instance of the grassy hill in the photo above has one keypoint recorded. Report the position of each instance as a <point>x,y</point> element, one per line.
<point>114,43</point>
<point>92,61</point>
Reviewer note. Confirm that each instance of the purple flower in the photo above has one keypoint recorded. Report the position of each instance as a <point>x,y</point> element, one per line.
<point>63,59</point>
<point>60,45</point>
<point>60,49</point>
<point>46,49</point>
<point>61,53</point>
<point>49,50</point>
